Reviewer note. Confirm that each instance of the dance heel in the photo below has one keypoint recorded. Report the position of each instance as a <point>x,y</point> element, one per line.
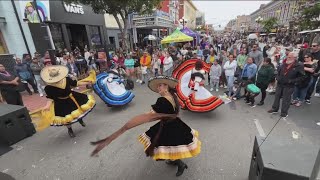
<point>181,167</point>
<point>70,132</point>
<point>82,123</point>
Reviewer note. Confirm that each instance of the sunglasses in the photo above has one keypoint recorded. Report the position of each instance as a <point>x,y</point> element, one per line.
<point>306,57</point>
<point>314,45</point>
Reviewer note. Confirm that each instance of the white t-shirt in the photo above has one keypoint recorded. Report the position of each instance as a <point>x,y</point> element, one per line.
<point>230,68</point>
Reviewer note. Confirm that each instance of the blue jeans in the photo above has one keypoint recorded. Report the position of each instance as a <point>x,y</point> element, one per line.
<point>230,80</point>
<point>168,72</point>
<point>300,93</point>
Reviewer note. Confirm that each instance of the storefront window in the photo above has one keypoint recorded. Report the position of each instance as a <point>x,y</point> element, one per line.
<point>56,32</point>
<point>95,35</point>
<point>3,47</point>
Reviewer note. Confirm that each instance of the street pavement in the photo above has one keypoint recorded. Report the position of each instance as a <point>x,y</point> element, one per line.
<point>227,136</point>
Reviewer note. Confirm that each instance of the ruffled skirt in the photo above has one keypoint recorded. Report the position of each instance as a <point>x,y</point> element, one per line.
<point>176,141</point>
<point>82,104</point>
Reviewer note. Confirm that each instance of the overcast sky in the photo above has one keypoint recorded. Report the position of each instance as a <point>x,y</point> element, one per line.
<point>220,12</point>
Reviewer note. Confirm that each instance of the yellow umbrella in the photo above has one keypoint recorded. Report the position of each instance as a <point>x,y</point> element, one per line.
<point>177,36</point>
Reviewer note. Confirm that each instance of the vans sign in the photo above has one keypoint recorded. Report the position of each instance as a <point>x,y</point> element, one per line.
<point>73,8</point>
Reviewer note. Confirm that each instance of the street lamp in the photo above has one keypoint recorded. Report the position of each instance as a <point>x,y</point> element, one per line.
<point>183,21</point>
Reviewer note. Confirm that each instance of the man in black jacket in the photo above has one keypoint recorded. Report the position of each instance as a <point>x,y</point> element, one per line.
<point>290,73</point>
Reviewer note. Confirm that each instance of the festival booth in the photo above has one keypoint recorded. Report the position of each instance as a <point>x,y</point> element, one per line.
<point>189,32</point>
<point>196,101</point>
<point>176,36</point>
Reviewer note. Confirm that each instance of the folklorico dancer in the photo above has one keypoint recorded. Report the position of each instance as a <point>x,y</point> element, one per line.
<point>191,92</point>
<point>67,106</point>
<point>170,139</point>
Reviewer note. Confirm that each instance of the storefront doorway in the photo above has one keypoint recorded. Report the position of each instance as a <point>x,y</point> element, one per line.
<point>77,36</point>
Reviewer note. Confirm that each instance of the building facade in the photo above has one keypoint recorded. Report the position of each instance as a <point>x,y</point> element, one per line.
<point>74,25</point>
<point>188,11</point>
<point>200,19</point>
<point>242,23</point>
<point>231,26</point>
<point>282,10</point>
<point>11,35</point>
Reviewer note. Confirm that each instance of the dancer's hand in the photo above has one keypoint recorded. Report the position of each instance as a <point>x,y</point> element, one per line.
<point>100,145</point>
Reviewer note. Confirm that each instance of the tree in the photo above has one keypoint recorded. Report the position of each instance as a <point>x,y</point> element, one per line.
<point>120,9</point>
<point>269,24</point>
<point>310,17</point>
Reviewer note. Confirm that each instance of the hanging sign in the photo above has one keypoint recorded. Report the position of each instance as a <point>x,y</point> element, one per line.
<point>73,8</point>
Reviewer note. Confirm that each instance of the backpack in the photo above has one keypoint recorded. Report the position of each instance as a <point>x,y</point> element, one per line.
<point>129,84</point>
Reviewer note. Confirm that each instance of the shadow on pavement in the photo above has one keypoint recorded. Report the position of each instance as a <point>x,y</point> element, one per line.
<point>4,176</point>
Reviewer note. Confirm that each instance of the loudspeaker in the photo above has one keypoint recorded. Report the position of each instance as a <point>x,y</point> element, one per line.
<point>15,124</point>
<point>280,159</point>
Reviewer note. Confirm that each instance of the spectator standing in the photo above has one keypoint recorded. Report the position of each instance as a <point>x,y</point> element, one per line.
<point>230,68</point>
<point>301,88</point>
<point>36,68</point>
<point>73,69</point>
<point>92,62</point>
<point>145,62</point>
<point>206,52</point>
<point>315,52</point>
<point>167,65</point>
<point>234,51</point>
<point>223,60</point>
<point>256,55</point>
<point>24,73</point>
<point>137,68</point>
<point>86,55</point>
<point>289,73</point>
<point>155,64</point>
<point>9,87</point>
<point>215,73</point>
<point>241,60</point>
<point>27,59</point>
<point>199,53</point>
<point>264,78</point>
<point>129,64</point>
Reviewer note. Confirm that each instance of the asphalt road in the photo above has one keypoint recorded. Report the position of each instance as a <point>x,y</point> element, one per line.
<point>227,136</point>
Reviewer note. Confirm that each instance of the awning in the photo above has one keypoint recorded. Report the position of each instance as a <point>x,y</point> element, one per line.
<point>176,36</point>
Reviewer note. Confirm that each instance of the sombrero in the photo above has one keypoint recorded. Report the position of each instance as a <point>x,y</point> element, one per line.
<point>53,74</point>
<point>155,81</point>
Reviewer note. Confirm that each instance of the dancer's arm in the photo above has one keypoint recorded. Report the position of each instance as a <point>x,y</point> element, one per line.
<point>136,121</point>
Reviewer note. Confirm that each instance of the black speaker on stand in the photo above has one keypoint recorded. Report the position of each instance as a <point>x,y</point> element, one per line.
<point>280,159</point>
<point>15,124</point>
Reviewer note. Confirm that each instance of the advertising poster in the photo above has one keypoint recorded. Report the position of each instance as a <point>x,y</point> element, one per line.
<point>29,11</point>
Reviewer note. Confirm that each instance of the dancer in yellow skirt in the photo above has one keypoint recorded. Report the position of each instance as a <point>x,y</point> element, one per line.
<point>170,139</point>
<point>69,106</point>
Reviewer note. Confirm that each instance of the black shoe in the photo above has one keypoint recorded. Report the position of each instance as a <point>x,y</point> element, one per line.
<point>272,111</point>
<point>181,167</point>
<point>143,82</point>
<point>283,115</point>
<point>260,103</point>
<point>248,102</point>
<point>308,101</point>
<point>82,123</point>
<point>173,163</point>
<point>30,93</point>
<point>252,105</point>
<point>36,92</point>
<point>70,132</point>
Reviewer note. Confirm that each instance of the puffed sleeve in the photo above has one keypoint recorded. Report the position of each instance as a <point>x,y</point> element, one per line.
<point>72,83</point>
<point>160,105</point>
